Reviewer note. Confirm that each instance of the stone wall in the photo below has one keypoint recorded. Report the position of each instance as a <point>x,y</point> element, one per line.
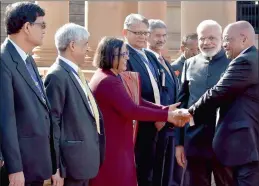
<point>76,14</point>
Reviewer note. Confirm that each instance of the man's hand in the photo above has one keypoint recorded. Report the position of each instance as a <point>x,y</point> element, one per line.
<point>179,117</point>
<point>57,179</point>
<point>16,179</point>
<point>180,156</point>
<point>174,106</point>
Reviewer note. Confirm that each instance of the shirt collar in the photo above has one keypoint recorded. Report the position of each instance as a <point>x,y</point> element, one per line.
<point>245,50</point>
<point>183,59</point>
<point>70,63</point>
<point>19,50</point>
<point>137,50</point>
<point>155,53</point>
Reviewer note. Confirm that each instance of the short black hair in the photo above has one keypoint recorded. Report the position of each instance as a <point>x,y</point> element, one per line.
<point>192,36</point>
<point>17,14</point>
<point>106,51</point>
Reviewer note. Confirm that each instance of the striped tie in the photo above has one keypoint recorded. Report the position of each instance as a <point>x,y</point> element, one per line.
<point>91,99</point>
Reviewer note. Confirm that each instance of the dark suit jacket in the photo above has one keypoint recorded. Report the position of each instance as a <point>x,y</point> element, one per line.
<point>26,129</point>
<point>147,132</point>
<point>177,65</point>
<point>236,140</point>
<point>81,148</point>
<point>135,64</point>
<point>168,91</point>
<point>199,75</point>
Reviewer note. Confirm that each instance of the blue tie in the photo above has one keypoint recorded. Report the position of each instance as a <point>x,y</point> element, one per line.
<point>149,65</point>
<point>34,76</point>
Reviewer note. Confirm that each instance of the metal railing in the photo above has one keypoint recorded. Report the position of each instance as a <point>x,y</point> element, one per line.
<point>249,11</point>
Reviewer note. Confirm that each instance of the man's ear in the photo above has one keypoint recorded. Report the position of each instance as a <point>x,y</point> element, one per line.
<point>182,48</point>
<point>26,28</point>
<point>72,45</point>
<point>124,32</point>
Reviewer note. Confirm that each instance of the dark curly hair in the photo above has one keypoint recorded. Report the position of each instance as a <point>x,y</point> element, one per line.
<point>17,14</point>
<point>105,52</point>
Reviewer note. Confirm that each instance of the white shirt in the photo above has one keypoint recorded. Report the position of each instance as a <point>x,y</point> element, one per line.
<point>20,51</point>
<point>141,52</point>
<point>152,78</point>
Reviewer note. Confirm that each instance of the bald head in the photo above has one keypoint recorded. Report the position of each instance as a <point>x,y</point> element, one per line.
<point>242,28</point>
<point>237,37</point>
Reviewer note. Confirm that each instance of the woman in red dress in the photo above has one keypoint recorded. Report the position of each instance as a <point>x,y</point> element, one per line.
<point>119,110</point>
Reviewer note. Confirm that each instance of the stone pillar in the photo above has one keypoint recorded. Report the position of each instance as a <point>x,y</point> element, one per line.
<point>153,9</point>
<point>104,19</point>
<point>192,13</point>
<point>57,14</point>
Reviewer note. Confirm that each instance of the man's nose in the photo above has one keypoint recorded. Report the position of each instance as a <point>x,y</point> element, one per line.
<point>206,41</point>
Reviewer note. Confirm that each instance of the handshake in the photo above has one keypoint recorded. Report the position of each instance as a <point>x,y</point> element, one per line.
<point>179,117</point>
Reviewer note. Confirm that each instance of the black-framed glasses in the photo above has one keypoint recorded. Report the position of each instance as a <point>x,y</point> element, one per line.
<point>123,54</point>
<point>139,33</point>
<point>42,25</point>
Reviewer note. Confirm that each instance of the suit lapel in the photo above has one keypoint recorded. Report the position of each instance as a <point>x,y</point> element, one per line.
<point>135,55</point>
<point>76,83</point>
<point>21,68</point>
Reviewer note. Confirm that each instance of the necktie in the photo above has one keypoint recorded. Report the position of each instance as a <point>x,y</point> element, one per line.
<point>91,99</point>
<point>34,76</point>
<point>162,61</point>
<point>150,66</point>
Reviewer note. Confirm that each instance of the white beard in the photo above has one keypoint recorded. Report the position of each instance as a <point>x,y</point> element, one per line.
<point>210,53</point>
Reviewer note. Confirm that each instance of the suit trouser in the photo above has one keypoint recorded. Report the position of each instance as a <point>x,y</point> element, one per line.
<point>199,172</point>
<point>144,156</point>
<point>4,181</point>
<point>166,171</point>
<point>73,182</point>
<point>246,175</point>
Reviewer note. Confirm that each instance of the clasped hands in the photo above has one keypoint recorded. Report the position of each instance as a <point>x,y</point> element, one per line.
<point>179,117</point>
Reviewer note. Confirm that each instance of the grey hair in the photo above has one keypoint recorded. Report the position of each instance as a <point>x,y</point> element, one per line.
<point>187,37</point>
<point>156,23</point>
<point>70,32</point>
<point>206,23</point>
<point>134,19</point>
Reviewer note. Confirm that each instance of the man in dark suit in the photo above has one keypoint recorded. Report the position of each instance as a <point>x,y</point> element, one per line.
<point>140,60</point>
<point>74,109</point>
<point>26,130</point>
<point>236,140</point>
<point>165,168</point>
<point>194,143</point>
<point>189,48</point>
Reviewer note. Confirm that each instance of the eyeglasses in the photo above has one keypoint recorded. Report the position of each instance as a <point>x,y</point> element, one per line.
<point>42,25</point>
<point>139,33</point>
<point>123,54</point>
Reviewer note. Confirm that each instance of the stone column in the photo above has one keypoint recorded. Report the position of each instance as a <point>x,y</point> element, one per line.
<point>192,13</point>
<point>104,19</point>
<point>57,14</point>
<point>153,9</point>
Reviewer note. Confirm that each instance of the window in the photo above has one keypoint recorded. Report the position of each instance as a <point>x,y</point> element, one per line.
<point>249,11</point>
